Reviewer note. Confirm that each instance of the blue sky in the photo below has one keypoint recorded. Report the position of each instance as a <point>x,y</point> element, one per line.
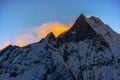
<point>18,16</point>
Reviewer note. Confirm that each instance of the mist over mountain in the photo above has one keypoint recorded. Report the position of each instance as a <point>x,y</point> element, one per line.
<point>89,50</point>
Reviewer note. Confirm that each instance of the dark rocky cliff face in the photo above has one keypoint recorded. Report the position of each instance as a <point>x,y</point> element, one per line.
<point>81,30</point>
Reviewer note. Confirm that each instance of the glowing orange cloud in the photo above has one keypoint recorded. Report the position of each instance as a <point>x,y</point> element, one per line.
<point>37,33</point>
<point>55,27</point>
<point>20,43</point>
<point>24,39</point>
<point>5,45</point>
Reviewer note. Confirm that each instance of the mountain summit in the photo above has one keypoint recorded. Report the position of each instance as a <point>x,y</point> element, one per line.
<point>89,50</point>
<point>81,30</point>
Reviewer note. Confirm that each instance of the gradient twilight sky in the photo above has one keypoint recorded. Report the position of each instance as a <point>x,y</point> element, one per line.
<point>19,16</point>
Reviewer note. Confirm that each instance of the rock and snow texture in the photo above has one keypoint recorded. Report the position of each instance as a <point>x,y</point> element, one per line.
<point>88,51</point>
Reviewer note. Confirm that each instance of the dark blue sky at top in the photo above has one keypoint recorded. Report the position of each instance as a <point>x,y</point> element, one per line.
<point>18,16</point>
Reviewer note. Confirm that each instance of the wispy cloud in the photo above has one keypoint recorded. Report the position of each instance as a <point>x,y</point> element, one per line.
<point>39,32</point>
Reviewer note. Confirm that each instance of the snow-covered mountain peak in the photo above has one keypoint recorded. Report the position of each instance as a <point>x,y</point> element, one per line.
<point>96,20</point>
<point>109,35</point>
<point>98,25</point>
<point>50,37</point>
<point>80,30</point>
<point>85,52</point>
<point>80,18</point>
<point>6,48</point>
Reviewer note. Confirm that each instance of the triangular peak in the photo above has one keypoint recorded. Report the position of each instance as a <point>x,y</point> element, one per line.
<point>80,18</point>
